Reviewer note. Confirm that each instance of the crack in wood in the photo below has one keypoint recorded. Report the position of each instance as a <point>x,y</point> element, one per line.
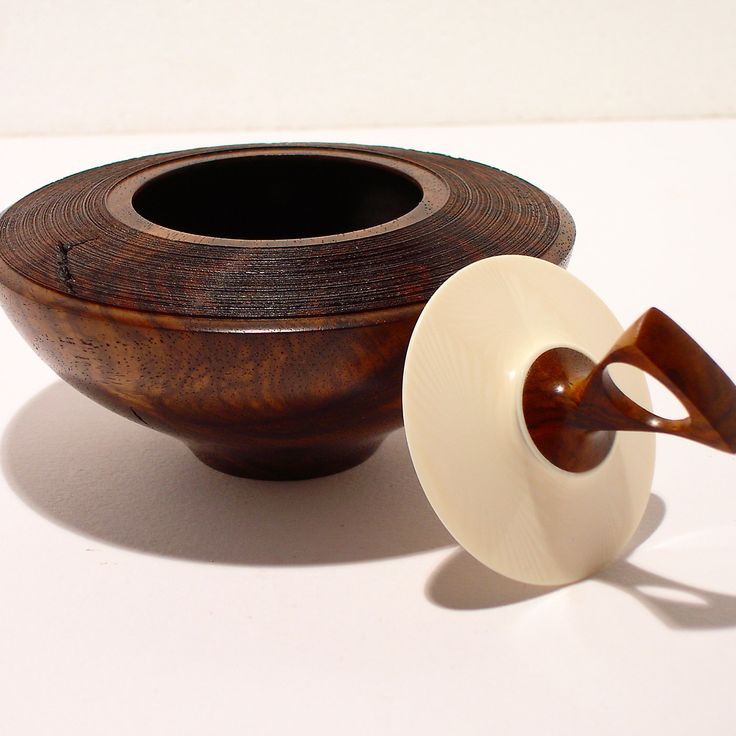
<point>138,416</point>
<point>62,257</point>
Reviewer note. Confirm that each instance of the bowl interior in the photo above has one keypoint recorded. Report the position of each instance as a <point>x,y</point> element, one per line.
<point>276,197</point>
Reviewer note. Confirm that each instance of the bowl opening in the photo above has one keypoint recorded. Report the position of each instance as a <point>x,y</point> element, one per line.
<point>273,197</point>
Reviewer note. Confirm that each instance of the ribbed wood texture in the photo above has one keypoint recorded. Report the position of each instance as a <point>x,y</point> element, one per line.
<point>69,237</point>
<point>257,302</point>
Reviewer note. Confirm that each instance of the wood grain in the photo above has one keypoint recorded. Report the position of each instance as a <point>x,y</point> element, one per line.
<point>275,356</point>
<point>83,236</point>
<point>573,407</point>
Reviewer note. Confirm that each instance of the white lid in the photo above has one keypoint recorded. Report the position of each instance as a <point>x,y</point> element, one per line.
<point>498,496</point>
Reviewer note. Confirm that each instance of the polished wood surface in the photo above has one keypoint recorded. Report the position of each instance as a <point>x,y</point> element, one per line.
<point>297,230</point>
<point>248,320</point>
<point>295,399</point>
<point>573,408</point>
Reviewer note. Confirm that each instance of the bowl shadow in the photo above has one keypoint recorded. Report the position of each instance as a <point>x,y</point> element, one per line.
<point>94,473</point>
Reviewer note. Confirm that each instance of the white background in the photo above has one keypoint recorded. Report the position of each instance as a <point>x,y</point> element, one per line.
<point>143,593</point>
<point>165,65</point>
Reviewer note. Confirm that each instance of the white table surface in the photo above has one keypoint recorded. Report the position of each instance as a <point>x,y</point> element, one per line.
<point>142,593</point>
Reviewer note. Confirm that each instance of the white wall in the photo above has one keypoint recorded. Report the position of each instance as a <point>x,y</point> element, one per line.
<point>100,66</point>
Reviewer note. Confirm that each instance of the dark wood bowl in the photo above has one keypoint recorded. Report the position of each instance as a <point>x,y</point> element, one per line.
<point>257,301</point>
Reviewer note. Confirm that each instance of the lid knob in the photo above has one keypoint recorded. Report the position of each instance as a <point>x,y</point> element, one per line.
<point>513,420</point>
<point>573,407</point>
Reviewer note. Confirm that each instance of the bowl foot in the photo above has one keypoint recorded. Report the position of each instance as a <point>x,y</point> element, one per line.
<point>288,463</point>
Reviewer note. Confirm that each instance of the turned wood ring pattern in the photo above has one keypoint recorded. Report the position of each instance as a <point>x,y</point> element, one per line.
<point>254,232</point>
<point>257,301</point>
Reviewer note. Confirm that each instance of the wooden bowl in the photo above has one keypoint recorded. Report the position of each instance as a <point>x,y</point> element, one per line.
<point>257,301</point>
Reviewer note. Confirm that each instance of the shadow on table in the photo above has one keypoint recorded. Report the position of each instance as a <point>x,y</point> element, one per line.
<point>463,583</point>
<point>93,472</point>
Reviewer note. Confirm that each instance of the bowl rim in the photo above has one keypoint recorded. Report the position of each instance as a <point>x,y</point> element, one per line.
<point>435,192</point>
<point>43,296</point>
<point>26,286</point>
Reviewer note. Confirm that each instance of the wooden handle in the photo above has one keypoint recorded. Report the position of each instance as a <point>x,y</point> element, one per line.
<point>573,407</point>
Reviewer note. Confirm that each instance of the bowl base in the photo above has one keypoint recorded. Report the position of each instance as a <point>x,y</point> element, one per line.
<point>289,463</point>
